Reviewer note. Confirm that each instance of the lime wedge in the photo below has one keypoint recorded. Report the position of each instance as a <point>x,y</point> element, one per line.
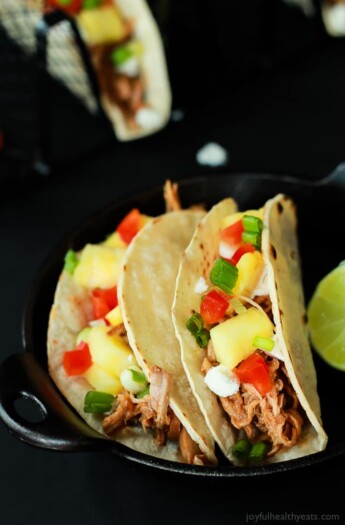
<point>326,314</point>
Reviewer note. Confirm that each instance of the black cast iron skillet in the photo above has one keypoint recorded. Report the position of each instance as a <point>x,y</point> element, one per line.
<point>321,211</point>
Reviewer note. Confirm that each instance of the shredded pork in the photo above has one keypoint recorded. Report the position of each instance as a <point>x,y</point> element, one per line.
<point>171,196</point>
<point>153,413</point>
<point>126,411</point>
<point>265,302</point>
<point>159,395</point>
<point>190,451</point>
<point>274,417</point>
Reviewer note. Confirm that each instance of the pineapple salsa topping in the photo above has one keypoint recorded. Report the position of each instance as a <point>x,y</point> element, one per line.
<point>102,354</point>
<point>229,319</point>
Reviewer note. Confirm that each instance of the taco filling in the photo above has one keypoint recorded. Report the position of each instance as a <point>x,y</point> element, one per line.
<point>101,375</point>
<point>243,363</point>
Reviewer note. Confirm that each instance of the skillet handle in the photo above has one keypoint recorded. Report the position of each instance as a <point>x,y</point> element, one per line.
<point>60,428</point>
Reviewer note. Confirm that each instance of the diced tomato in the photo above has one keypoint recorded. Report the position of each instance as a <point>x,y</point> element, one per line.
<point>233,234</point>
<point>213,307</point>
<point>68,6</point>
<point>245,248</point>
<point>103,300</point>
<point>129,226</point>
<point>255,371</point>
<point>76,362</point>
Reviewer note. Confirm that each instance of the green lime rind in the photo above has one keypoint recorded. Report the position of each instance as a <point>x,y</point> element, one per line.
<point>334,353</point>
<point>332,287</point>
<point>323,312</point>
<point>325,335</point>
<point>326,314</point>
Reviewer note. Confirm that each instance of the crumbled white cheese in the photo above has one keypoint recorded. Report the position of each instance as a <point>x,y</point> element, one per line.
<point>131,67</point>
<point>226,251</point>
<point>148,118</point>
<point>212,154</point>
<point>262,284</point>
<point>201,286</point>
<point>222,381</point>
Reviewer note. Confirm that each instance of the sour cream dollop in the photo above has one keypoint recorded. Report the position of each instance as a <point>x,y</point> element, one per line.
<point>201,286</point>
<point>148,118</point>
<point>222,381</point>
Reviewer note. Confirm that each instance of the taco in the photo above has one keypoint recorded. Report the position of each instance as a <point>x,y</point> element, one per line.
<point>117,364</point>
<point>240,318</point>
<point>127,54</point>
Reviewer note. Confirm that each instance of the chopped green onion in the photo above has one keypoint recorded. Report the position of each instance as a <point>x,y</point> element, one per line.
<point>238,306</point>
<point>91,4</point>
<point>253,237</point>
<point>259,450</point>
<point>195,323</point>
<point>253,227</point>
<point>98,397</point>
<point>224,275</point>
<point>138,377</point>
<point>98,402</point>
<point>252,224</point>
<point>263,343</point>
<point>202,338</point>
<point>83,335</point>
<point>120,55</point>
<point>71,261</point>
<point>144,392</point>
<point>97,408</point>
<point>241,449</point>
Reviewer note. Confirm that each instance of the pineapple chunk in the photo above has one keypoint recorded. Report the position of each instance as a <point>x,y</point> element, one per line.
<point>250,268</point>
<point>114,241</point>
<point>102,25</point>
<point>114,316</point>
<point>102,381</point>
<point>234,217</point>
<point>233,339</point>
<point>109,351</point>
<point>99,266</point>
